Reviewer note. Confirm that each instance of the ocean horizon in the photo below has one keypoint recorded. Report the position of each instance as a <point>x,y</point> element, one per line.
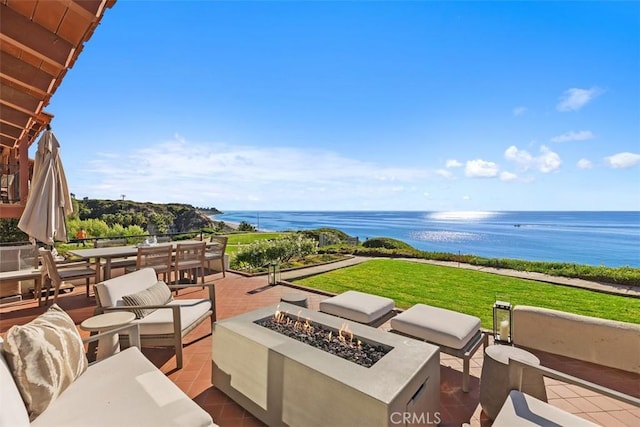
<point>607,238</point>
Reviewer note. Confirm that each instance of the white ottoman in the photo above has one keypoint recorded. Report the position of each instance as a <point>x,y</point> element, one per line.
<point>457,334</point>
<point>358,306</point>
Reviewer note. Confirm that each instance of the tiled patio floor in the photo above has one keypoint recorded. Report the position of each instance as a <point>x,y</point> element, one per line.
<point>237,294</point>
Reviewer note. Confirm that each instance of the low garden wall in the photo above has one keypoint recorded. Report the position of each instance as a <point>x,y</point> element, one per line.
<point>605,342</point>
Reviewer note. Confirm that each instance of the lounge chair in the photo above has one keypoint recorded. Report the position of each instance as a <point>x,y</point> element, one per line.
<point>164,322</point>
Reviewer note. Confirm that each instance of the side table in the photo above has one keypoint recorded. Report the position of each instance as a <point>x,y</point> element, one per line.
<point>494,380</point>
<point>103,322</point>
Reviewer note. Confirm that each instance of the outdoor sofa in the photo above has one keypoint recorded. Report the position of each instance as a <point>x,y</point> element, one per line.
<point>45,380</point>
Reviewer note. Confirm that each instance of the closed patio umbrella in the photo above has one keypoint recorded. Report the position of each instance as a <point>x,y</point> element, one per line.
<point>49,200</point>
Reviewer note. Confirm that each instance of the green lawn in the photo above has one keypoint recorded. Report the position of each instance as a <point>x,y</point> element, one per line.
<point>236,241</point>
<point>468,291</point>
<point>246,238</point>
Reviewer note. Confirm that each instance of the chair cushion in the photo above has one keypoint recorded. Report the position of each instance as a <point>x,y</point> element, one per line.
<point>125,389</point>
<point>110,292</point>
<point>357,306</point>
<point>437,325</point>
<point>157,294</point>
<point>46,356</point>
<point>160,322</point>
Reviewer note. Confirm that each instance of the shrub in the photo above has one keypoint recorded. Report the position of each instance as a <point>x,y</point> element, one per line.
<point>245,226</point>
<point>259,253</point>
<point>385,242</point>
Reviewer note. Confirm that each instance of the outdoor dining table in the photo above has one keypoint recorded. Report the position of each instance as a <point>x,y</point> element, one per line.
<point>111,252</point>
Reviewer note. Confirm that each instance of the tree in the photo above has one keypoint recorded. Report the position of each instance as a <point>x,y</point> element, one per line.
<point>245,226</point>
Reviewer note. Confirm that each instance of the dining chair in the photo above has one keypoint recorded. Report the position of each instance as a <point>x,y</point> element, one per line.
<point>189,258</point>
<point>59,273</point>
<point>157,257</point>
<point>215,253</point>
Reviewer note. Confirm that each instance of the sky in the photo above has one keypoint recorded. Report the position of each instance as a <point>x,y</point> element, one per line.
<point>358,105</point>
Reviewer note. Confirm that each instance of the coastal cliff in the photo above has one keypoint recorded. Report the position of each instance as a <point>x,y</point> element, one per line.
<point>162,218</point>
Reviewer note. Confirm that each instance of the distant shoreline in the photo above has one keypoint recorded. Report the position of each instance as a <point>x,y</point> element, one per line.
<point>590,238</point>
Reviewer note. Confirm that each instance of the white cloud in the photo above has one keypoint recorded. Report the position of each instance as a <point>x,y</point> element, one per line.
<point>547,161</point>
<point>518,111</point>
<point>521,158</point>
<point>222,175</point>
<point>582,135</point>
<point>452,163</point>
<point>584,164</point>
<point>444,173</point>
<point>623,160</point>
<point>574,99</point>
<point>481,169</point>
<point>508,176</point>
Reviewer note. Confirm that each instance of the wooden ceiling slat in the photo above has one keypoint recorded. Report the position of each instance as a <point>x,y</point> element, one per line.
<point>13,117</point>
<point>38,39</point>
<point>49,14</point>
<point>23,7</point>
<point>28,75</point>
<point>10,130</point>
<point>73,27</point>
<point>17,99</point>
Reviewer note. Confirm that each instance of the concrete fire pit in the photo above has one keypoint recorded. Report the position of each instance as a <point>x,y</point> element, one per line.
<point>282,381</point>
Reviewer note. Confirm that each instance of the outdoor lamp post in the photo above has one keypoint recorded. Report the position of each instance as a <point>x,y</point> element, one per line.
<point>502,322</point>
<point>273,272</point>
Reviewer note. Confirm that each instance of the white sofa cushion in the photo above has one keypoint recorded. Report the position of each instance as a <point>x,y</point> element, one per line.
<point>160,322</point>
<point>357,306</point>
<point>13,412</point>
<point>437,325</point>
<point>523,410</point>
<point>124,390</point>
<point>111,291</point>
<point>156,294</point>
<point>46,355</point>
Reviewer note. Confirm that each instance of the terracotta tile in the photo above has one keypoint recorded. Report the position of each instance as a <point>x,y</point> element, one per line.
<point>564,405</point>
<point>232,412</point>
<point>605,403</point>
<point>233,299</point>
<point>583,404</point>
<point>606,419</point>
<point>563,391</point>
<point>626,417</point>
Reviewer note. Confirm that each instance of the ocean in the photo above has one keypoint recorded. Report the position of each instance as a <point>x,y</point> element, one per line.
<point>610,239</point>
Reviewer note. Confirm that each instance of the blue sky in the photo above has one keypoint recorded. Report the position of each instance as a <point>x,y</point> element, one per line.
<point>435,106</point>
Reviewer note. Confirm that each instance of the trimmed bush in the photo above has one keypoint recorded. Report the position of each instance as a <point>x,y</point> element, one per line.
<point>261,252</point>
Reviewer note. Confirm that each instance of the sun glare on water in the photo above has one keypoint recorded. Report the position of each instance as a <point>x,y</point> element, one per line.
<point>462,215</point>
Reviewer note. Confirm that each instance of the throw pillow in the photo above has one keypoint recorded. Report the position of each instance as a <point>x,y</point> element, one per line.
<point>46,355</point>
<point>158,294</point>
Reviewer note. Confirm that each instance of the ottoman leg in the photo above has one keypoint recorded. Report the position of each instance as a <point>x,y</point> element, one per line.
<point>465,374</point>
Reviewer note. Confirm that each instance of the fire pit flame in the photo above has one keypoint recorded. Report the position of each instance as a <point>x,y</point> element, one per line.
<point>343,333</point>
<point>340,342</point>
